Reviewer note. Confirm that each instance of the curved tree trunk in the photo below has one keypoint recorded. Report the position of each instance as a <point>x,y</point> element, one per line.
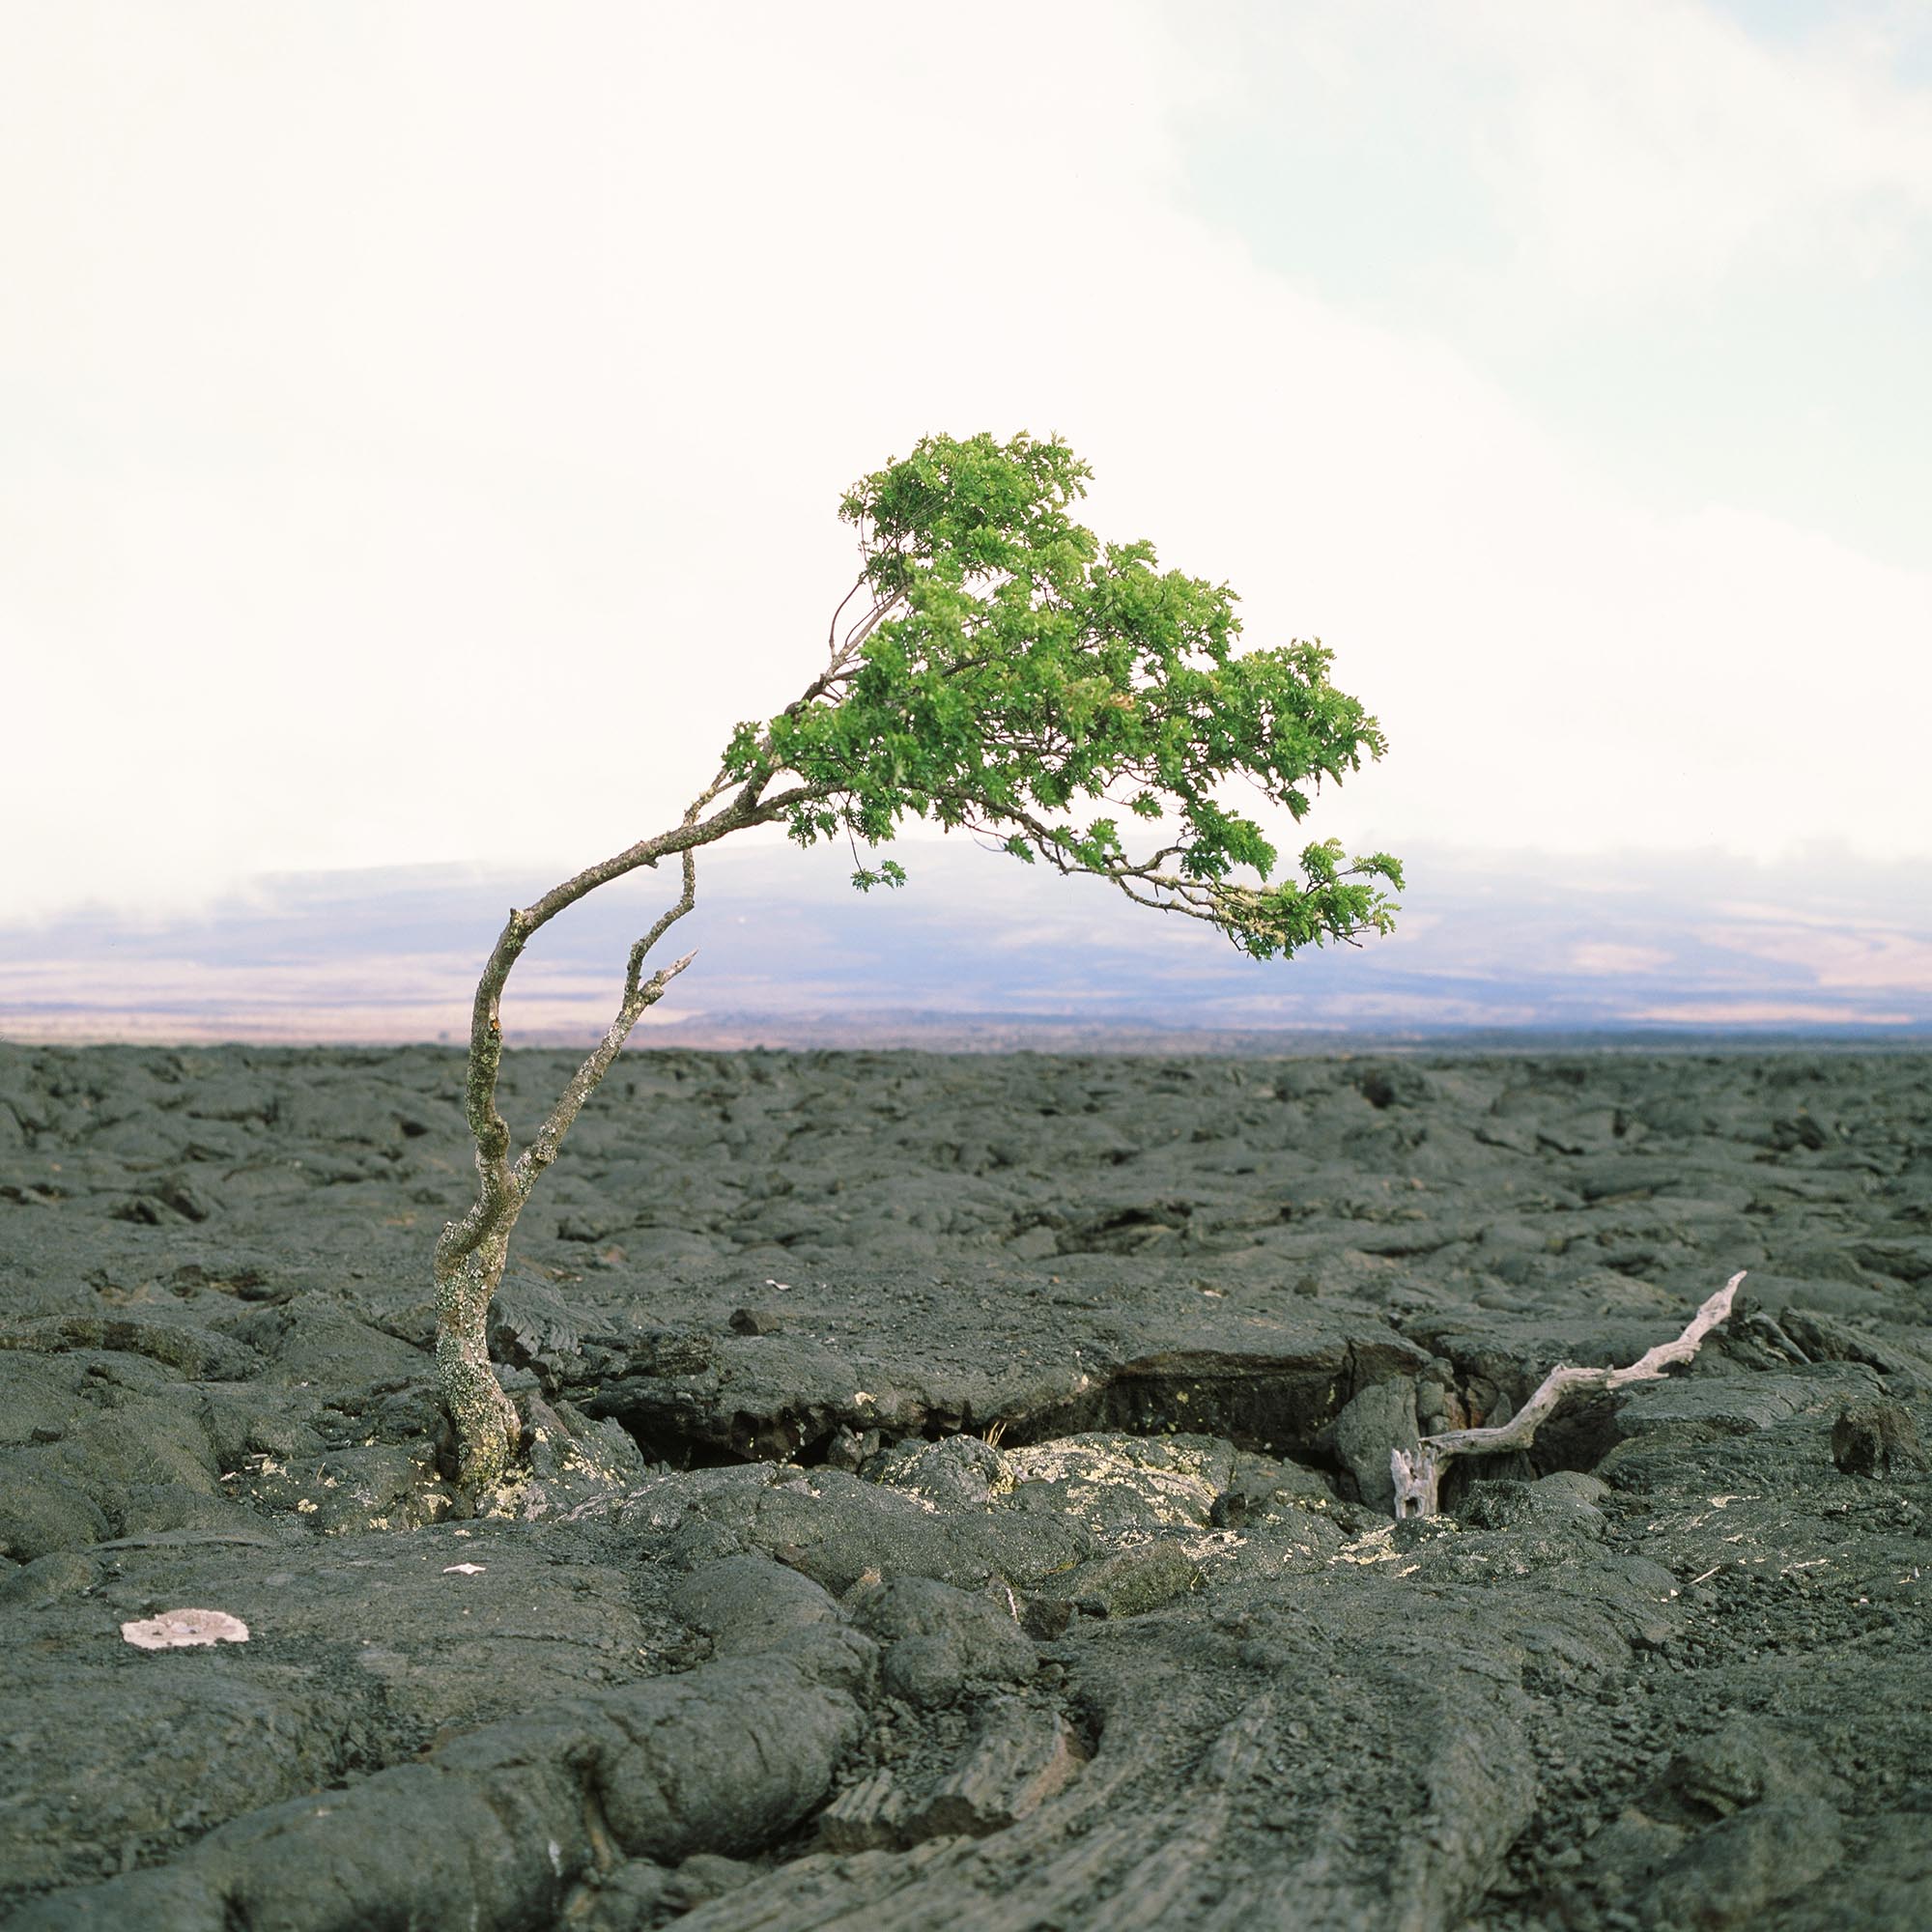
<point>470,1253</point>
<point>484,1418</point>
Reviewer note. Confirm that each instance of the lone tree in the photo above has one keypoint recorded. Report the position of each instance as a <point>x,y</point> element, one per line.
<point>1003,668</point>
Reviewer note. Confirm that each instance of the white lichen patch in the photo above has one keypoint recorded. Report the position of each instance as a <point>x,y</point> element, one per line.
<point>1377,1547</point>
<point>184,1630</point>
<point>347,1492</point>
<point>1216,1542</point>
<point>1171,1482</point>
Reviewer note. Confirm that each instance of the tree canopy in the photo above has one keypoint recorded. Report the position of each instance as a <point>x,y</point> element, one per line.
<point>1007,673</point>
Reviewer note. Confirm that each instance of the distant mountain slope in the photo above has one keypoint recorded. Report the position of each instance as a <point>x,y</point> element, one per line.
<point>979,950</point>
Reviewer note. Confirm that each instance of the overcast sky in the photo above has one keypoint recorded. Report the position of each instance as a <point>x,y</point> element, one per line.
<point>422,425</point>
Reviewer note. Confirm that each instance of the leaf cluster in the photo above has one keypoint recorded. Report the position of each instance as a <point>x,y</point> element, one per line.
<point>1012,675</point>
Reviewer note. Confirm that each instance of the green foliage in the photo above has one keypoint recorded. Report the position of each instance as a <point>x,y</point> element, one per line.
<point>1013,670</point>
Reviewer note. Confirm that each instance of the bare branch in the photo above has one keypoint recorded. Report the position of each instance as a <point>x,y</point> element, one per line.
<point>542,1147</point>
<point>832,629</point>
<point>470,1251</point>
<point>497,1187</point>
<point>1213,903</point>
<point>837,669</point>
<point>866,626</point>
<point>1418,1473</point>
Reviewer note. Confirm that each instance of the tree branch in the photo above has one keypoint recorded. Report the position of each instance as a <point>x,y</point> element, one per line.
<point>1214,902</point>
<point>497,1194</point>
<point>542,1147</point>
<point>1418,1473</point>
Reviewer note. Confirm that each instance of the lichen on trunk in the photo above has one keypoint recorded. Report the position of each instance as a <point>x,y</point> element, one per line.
<point>470,1253</point>
<point>483,1417</point>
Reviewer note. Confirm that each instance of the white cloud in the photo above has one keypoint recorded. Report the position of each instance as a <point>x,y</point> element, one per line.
<point>436,419</point>
<point>1633,156</point>
<point>1655,148</point>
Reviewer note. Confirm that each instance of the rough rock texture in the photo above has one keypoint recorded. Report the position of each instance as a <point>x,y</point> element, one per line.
<point>955,1495</point>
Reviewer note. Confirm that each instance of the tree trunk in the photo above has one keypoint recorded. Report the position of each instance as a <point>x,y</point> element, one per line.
<point>470,1253</point>
<point>483,1417</point>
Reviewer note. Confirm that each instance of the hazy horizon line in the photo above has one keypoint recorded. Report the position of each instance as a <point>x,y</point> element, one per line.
<point>978,946</point>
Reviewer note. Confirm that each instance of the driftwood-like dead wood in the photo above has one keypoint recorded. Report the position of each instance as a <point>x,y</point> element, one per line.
<point>1418,1472</point>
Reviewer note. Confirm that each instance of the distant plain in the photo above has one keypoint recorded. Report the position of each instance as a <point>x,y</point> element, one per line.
<point>978,951</point>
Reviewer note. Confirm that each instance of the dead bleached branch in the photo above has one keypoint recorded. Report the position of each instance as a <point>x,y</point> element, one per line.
<point>1418,1472</point>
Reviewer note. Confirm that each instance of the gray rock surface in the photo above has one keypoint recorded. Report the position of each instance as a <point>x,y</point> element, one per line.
<point>952,1497</point>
